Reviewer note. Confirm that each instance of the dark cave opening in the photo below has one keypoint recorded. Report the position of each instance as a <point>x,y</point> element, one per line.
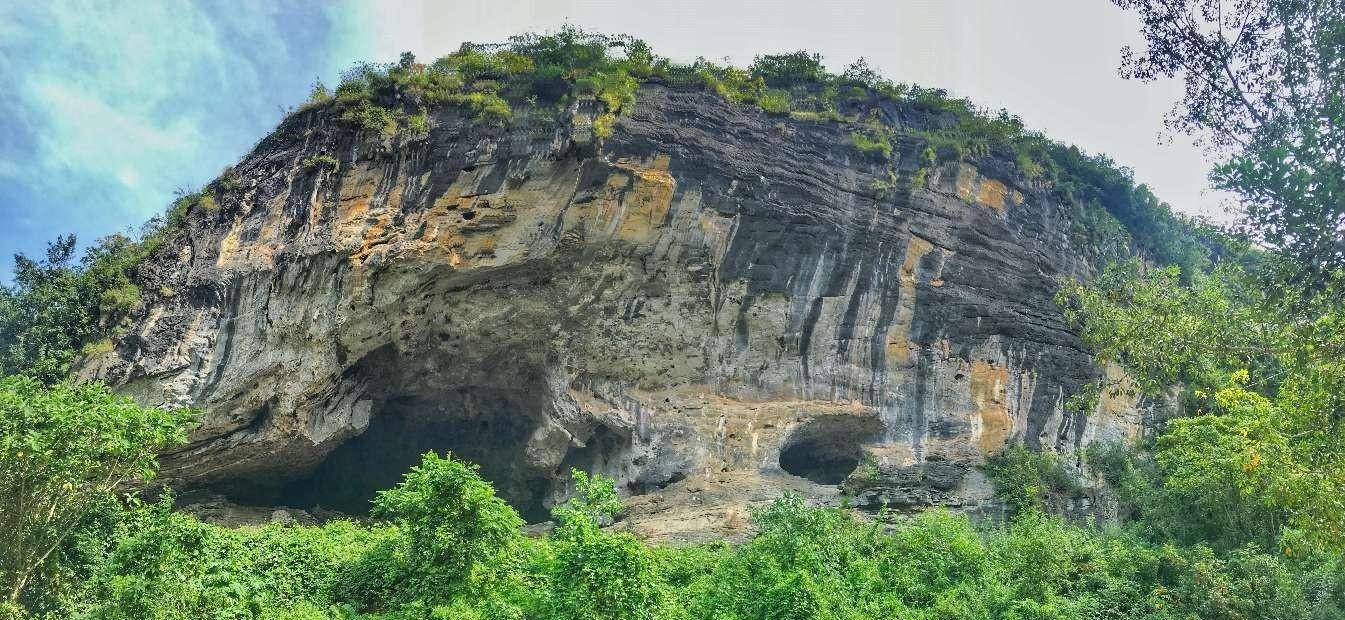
<point>484,428</point>
<point>827,449</point>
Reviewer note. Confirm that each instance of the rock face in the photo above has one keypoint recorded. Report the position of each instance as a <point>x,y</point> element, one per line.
<point>712,306</point>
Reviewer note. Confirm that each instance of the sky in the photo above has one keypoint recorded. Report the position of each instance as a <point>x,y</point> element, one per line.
<point>109,108</point>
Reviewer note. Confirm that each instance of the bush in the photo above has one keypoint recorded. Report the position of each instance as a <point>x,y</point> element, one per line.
<point>871,145</point>
<point>602,125</point>
<point>170,565</point>
<point>453,523</point>
<point>319,162</point>
<point>485,106</point>
<point>775,101</point>
<point>600,575</point>
<point>65,450</point>
<point>1026,479</point>
<point>372,118</point>
<point>786,70</point>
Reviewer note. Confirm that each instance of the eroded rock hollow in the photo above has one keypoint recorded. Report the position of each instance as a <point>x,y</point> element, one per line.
<point>712,306</point>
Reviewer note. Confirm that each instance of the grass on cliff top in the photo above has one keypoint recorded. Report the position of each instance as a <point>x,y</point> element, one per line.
<point>1112,216</point>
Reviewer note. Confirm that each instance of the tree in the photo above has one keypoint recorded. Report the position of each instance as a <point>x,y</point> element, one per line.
<point>64,449</point>
<point>1264,86</point>
<point>599,575</point>
<point>594,502</point>
<point>1261,455</point>
<point>56,307</point>
<point>453,522</point>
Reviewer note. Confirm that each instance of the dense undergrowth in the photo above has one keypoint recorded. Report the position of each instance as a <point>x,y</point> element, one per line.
<point>450,549</point>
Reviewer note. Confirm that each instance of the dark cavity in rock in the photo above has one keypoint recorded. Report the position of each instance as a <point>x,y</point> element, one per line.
<point>826,450</point>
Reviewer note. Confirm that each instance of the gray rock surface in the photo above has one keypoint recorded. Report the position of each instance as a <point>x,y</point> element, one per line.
<point>712,306</point>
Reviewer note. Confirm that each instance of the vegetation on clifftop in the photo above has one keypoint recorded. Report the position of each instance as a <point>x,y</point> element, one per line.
<point>1113,216</point>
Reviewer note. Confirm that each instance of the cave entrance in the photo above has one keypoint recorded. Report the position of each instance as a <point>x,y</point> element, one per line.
<point>484,427</point>
<point>827,449</point>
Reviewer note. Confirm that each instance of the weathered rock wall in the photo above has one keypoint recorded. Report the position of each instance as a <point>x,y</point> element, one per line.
<point>712,306</point>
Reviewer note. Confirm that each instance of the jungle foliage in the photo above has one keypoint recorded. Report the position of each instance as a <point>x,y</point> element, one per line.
<point>1265,89</point>
<point>448,548</point>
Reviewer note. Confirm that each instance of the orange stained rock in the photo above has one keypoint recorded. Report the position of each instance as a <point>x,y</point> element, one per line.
<point>988,382</point>
<point>974,188</point>
<point>898,335</point>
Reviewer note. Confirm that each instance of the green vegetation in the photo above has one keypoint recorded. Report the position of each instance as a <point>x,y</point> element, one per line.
<point>1263,83</point>
<point>54,308</point>
<point>871,144</point>
<point>450,549</point>
<point>488,81</point>
<point>63,451</point>
<point>1113,217</point>
<point>320,162</point>
<point>57,309</point>
<point>1234,510</point>
<point>1028,480</point>
<point>1259,456</point>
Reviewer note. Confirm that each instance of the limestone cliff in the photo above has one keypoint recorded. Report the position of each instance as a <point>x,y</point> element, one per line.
<point>712,305</point>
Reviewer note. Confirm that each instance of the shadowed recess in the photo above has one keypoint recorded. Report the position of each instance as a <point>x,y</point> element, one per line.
<point>827,449</point>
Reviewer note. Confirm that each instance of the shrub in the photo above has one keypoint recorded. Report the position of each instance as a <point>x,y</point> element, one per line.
<point>871,145</point>
<point>786,70</point>
<point>63,450</point>
<point>486,106</point>
<point>419,123</point>
<point>1024,479</point>
<point>600,575</point>
<point>170,565</point>
<point>372,118</point>
<point>774,101</point>
<point>452,520</point>
<point>602,125</point>
<point>319,162</point>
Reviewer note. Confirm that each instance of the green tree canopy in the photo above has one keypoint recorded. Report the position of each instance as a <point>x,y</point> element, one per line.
<point>1265,86</point>
<point>63,449</point>
<point>1260,454</point>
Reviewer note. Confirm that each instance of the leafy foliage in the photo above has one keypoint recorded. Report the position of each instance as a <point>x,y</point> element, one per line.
<point>1260,457</point>
<point>803,563</point>
<point>1027,479</point>
<point>58,309</point>
<point>1263,86</point>
<point>169,565</point>
<point>871,145</point>
<point>63,450</point>
<point>319,162</point>
<point>453,523</point>
<point>55,308</point>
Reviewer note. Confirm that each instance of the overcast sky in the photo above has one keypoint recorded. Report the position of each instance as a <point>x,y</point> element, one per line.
<point>108,108</point>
